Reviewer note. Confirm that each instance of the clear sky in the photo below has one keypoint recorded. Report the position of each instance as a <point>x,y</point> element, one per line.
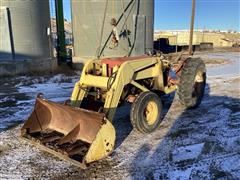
<point>175,14</point>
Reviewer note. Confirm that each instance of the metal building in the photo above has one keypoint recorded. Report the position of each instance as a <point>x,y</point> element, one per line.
<point>24,29</point>
<point>135,36</point>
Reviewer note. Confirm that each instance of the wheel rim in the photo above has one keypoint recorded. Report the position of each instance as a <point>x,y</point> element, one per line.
<point>150,112</point>
<point>199,77</point>
<point>198,81</point>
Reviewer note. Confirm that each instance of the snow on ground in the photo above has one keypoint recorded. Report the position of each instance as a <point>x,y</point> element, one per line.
<point>231,68</point>
<point>203,143</point>
<point>17,95</point>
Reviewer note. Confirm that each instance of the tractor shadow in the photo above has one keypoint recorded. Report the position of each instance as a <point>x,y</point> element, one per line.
<point>187,144</point>
<point>122,121</point>
<point>196,143</point>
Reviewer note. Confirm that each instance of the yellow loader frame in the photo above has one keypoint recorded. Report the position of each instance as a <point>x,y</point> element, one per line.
<point>94,74</point>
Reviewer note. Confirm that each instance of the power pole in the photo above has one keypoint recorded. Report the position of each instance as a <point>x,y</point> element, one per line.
<point>191,29</point>
<point>61,49</point>
<point>176,42</point>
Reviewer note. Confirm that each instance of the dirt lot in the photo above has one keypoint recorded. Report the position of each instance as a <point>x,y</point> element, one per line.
<point>203,143</point>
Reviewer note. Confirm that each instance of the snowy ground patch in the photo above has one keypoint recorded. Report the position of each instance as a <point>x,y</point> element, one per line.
<point>187,152</point>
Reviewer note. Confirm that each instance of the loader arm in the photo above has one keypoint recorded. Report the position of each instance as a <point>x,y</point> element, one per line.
<point>126,73</point>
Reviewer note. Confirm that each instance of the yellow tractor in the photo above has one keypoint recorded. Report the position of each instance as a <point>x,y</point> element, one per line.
<point>81,130</point>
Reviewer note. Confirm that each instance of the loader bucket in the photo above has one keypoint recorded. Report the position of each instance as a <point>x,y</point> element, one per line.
<point>74,134</point>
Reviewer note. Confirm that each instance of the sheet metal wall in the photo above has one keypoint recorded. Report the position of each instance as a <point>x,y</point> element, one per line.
<point>29,20</point>
<point>87,18</point>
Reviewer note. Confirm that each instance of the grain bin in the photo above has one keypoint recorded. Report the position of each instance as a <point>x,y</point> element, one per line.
<point>136,35</point>
<point>23,31</point>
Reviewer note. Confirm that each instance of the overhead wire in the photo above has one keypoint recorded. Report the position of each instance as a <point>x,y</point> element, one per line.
<point>125,24</point>
<point>135,28</point>
<point>125,19</point>
<point>102,30</point>
<point>119,19</point>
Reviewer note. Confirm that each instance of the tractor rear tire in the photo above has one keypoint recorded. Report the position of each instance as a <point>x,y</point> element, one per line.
<point>146,112</point>
<point>192,83</point>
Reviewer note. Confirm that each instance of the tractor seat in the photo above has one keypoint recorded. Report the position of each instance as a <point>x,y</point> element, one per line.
<point>117,61</point>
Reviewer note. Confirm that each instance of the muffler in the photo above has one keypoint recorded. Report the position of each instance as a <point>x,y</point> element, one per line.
<point>73,134</point>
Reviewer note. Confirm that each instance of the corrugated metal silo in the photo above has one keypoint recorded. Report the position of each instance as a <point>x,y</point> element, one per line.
<point>23,29</point>
<point>88,17</point>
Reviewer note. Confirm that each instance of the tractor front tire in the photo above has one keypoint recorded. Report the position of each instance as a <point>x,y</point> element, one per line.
<point>146,112</point>
<point>192,83</point>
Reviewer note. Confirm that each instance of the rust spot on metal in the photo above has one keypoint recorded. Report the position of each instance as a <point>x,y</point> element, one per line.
<point>65,130</point>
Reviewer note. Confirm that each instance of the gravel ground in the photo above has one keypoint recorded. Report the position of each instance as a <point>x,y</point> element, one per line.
<point>203,143</point>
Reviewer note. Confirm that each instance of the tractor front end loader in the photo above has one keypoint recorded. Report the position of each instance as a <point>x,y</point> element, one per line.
<point>81,131</point>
